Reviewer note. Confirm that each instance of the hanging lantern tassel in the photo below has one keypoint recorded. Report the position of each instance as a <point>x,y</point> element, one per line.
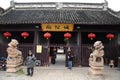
<point>91,38</point>
<point>7,37</point>
<point>66,39</point>
<point>25,37</point>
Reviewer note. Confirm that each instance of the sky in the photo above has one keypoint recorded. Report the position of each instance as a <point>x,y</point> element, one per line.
<point>113,4</point>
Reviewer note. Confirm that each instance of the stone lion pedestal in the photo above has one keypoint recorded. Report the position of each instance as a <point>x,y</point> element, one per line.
<point>14,59</point>
<point>96,61</point>
<point>14,66</point>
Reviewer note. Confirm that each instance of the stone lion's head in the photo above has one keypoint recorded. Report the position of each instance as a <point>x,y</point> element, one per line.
<point>98,45</point>
<point>13,43</point>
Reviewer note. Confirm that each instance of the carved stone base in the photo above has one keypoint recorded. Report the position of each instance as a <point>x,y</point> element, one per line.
<point>95,71</point>
<point>13,66</point>
<point>13,69</point>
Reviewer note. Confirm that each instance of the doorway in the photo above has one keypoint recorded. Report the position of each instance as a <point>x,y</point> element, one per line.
<point>57,50</point>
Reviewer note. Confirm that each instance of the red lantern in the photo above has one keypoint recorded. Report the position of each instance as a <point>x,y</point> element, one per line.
<point>110,36</point>
<point>7,34</point>
<point>91,36</point>
<point>67,35</point>
<point>47,35</point>
<point>25,34</point>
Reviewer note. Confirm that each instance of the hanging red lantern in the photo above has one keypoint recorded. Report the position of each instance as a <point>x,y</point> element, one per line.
<point>47,35</point>
<point>91,36</point>
<point>110,36</point>
<point>67,35</point>
<point>7,34</point>
<point>25,35</point>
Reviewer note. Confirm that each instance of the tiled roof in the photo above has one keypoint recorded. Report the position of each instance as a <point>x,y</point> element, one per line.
<point>65,15</point>
<point>1,10</point>
<point>118,13</point>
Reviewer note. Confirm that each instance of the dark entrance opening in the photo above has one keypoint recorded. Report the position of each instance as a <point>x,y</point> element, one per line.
<point>57,38</point>
<point>57,41</point>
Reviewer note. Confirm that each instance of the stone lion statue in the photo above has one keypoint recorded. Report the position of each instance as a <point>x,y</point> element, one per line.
<point>96,61</point>
<point>97,55</point>
<point>98,49</point>
<point>13,52</point>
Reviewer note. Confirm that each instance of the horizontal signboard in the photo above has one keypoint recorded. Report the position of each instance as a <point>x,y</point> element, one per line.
<point>57,27</point>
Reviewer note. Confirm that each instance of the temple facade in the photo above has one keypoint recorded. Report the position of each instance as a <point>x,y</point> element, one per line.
<point>28,22</point>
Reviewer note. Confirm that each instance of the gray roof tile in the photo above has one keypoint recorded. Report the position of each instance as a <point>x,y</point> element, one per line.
<point>22,16</point>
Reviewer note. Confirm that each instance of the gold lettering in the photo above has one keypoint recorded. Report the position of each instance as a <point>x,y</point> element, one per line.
<point>57,27</point>
<point>48,27</point>
<point>66,27</point>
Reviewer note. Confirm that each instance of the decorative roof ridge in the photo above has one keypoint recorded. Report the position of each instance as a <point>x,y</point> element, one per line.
<point>67,9</point>
<point>1,10</point>
<point>113,13</point>
<point>6,11</point>
<point>59,5</point>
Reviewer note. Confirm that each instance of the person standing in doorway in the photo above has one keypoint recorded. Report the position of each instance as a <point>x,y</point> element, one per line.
<point>70,60</point>
<point>53,60</point>
<point>30,63</point>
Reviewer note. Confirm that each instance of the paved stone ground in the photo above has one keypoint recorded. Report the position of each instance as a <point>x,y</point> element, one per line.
<point>59,72</point>
<point>47,73</point>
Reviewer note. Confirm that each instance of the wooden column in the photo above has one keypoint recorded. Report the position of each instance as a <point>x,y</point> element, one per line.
<point>35,41</point>
<point>79,38</point>
<point>79,47</point>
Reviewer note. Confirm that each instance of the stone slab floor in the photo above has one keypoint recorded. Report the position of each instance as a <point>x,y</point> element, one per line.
<point>48,73</point>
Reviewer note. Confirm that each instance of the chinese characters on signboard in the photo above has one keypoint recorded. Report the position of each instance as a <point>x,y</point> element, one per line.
<point>57,27</point>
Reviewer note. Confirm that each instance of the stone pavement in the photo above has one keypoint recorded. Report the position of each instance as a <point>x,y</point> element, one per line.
<point>60,72</point>
<point>50,73</point>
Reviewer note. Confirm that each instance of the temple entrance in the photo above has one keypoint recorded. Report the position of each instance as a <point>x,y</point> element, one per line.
<point>57,50</point>
<point>58,41</point>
